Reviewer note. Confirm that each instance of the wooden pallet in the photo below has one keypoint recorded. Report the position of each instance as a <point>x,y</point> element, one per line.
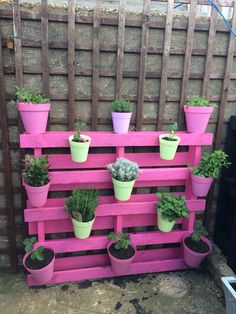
<point>139,211</point>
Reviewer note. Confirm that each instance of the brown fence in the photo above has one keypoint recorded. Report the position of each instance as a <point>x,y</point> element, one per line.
<point>82,59</point>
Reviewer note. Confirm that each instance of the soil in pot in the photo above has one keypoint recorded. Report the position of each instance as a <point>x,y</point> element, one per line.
<point>80,140</point>
<point>122,254</point>
<point>36,264</point>
<point>166,138</point>
<point>198,247</point>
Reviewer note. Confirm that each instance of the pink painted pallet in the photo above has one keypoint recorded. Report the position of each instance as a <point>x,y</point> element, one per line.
<point>157,251</point>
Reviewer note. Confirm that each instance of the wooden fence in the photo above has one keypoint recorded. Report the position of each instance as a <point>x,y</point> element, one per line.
<point>146,22</point>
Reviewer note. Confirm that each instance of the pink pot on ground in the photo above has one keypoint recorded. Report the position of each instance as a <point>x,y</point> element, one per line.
<point>34,117</point>
<point>121,121</point>
<point>37,195</point>
<point>200,185</point>
<point>197,118</point>
<point>194,259</point>
<point>119,266</point>
<point>42,275</point>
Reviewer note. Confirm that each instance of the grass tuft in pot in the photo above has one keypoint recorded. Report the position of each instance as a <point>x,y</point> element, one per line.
<point>124,173</point>
<point>36,179</point>
<point>169,209</point>
<point>169,143</point>
<point>209,168</point>
<point>121,115</point>
<point>81,207</point>
<point>120,251</point>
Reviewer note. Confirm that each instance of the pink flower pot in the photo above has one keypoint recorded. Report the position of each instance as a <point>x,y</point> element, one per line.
<point>34,117</point>
<point>37,195</point>
<point>119,266</point>
<point>121,121</point>
<point>200,185</point>
<point>194,259</point>
<point>42,275</point>
<point>197,118</point>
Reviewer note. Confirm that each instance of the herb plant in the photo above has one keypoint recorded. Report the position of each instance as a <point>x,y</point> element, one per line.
<point>81,204</point>
<point>121,240</point>
<point>211,164</point>
<point>37,254</point>
<point>121,105</point>
<point>172,129</point>
<point>30,97</point>
<point>172,207</point>
<point>199,102</point>
<point>199,230</point>
<point>36,171</point>
<point>77,136</point>
<point>124,170</point>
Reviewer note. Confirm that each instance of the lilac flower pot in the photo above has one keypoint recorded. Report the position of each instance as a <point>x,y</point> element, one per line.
<point>121,121</point>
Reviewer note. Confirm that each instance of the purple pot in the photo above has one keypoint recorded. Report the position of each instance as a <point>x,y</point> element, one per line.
<point>197,118</point>
<point>121,121</point>
<point>194,259</point>
<point>37,195</point>
<point>200,185</point>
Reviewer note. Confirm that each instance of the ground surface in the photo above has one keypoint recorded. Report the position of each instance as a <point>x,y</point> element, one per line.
<point>183,292</point>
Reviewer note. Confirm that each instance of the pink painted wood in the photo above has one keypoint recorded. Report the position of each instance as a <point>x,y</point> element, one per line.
<point>140,211</point>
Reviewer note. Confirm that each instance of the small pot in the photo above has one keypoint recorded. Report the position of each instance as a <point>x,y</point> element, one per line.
<point>121,122</point>
<point>197,118</point>
<point>194,259</point>
<point>79,151</point>
<point>82,230</point>
<point>230,294</point>
<point>168,148</point>
<point>122,189</point>
<point>163,224</point>
<point>42,275</point>
<point>34,117</point>
<point>120,266</point>
<point>200,185</point>
<point>37,195</point>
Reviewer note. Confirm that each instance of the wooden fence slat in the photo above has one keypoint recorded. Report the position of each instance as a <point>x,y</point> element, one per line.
<point>6,160</point>
<point>96,61</point>
<point>44,37</point>
<point>165,62</point>
<point>120,49</point>
<point>187,60</point>
<point>71,64</point>
<point>142,68</point>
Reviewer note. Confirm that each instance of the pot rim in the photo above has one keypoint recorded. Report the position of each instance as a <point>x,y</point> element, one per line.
<point>121,261</point>
<point>36,270</point>
<point>205,239</point>
<point>198,109</point>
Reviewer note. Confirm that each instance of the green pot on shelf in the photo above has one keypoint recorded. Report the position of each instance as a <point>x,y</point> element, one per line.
<point>163,224</point>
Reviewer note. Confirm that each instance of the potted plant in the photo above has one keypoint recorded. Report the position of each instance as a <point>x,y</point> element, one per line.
<point>39,262</point>
<point>123,172</point>
<point>229,285</point>
<point>169,143</point>
<point>36,180</point>
<point>169,210</point>
<point>81,206</point>
<point>197,114</point>
<point>121,115</point>
<point>196,247</point>
<point>34,109</point>
<point>79,145</point>
<point>209,168</point>
<point>120,251</point>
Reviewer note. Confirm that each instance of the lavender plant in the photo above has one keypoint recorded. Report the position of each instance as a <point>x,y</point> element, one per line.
<point>124,170</point>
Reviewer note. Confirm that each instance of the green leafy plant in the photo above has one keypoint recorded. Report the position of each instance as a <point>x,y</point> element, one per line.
<point>121,105</point>
<point>36,171</point>
<point>77,136</point>
<point>37,254</point>
<point>172,207</point>
<point>211,164</point>
<point>198,232</point>
<point>29,97</point>
<point>81,205</point>
<point>121,240</point>
<point>124,170</point>
<point>199,102</point>
<point>172,129</point>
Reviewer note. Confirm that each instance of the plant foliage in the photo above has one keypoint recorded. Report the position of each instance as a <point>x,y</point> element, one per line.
<point>172,207</point>
<point>124,170</point>
<point>36,171</point>
<point>172,129</point>
<point>77,136</point>
<point>37,254</point>
<point>30,97</point>
<point>121,240</point>
<point>121,105</point>
<point>199,230</point>
<point>199,102</point>
<point>81,205</point>
<point>211,164</point>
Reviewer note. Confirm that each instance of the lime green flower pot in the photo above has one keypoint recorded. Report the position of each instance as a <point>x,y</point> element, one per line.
<point>79,151</point>
<point>82,230</point>
<point>122,190</point>
<point>168,148</point>
<point>164,225</point>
